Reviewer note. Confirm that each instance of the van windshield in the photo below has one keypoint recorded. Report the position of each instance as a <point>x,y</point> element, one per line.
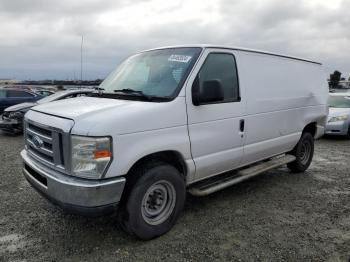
<point>339,101</point>
<point>157,73</point>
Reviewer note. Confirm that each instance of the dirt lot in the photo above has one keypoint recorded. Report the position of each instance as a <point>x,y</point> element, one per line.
<point>277,216</point>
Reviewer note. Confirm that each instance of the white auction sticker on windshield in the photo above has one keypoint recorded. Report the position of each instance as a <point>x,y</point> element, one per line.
<point>180,58</point>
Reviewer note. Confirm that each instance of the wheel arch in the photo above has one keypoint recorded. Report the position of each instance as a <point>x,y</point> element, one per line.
<point>171,157</point>
<point>311,128</point>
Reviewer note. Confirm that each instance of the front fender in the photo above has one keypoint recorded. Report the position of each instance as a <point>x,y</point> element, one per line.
<point>130,148</point>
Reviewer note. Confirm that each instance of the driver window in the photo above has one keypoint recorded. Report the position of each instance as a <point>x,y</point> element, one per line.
<point>222,67</point>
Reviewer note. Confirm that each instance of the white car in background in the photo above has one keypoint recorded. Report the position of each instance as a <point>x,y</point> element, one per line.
<point>338,122</point>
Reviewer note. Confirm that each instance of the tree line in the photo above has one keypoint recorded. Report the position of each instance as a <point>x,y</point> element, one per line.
<point>335,78</point>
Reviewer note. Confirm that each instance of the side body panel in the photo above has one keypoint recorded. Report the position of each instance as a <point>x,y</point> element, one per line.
<point>283,96</point>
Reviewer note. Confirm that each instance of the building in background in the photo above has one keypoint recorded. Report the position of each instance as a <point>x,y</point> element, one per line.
<point>5,81</point>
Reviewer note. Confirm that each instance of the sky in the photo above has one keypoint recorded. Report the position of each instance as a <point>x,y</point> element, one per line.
<point>41,39</point>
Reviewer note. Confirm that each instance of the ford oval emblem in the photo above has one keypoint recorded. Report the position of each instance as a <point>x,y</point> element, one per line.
<point>38,142</point>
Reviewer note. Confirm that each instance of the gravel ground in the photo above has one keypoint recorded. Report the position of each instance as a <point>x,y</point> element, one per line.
<point>276,216</point>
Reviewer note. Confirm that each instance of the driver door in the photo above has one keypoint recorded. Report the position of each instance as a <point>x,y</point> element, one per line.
<point>216,129</point>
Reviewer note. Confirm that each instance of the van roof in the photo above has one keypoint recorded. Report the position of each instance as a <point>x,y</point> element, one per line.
<point>238,48</point>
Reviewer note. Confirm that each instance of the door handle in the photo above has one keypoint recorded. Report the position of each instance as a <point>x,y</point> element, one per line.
<point>241,125</point>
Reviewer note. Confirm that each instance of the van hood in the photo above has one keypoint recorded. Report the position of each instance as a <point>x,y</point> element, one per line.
<point>104,116</point>
<point>80,107</point>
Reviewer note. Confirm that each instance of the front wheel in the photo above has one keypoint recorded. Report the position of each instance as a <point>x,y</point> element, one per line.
<point>303,152</point>
<point>154,202</point>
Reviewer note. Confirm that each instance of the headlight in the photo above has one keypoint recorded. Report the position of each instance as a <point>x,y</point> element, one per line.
<point>338,118</point>
<point>90,155</point>
<point>15,115</point>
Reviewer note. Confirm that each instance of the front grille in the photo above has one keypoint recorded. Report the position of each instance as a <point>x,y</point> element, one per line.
<point>45,144</point>
<point>40,130</point>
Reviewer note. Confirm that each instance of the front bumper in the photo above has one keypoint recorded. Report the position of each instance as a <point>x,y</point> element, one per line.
<point>10,124</point>
<point>337,128</point>
<point>72,194</point>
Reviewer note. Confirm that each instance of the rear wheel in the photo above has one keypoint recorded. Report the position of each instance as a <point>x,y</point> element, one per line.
<point>348,134</point>
<point>154,202</point>
<point>303,152</point>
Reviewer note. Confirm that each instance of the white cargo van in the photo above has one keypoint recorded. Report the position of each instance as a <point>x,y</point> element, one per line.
<point>172,120</point>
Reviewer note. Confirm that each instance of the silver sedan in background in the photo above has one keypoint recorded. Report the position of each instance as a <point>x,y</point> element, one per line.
<point>338,122</point>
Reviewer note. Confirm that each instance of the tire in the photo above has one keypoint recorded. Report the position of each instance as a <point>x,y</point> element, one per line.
<point>154,201</point>
<point>348,134</point>
<point>303,152</point>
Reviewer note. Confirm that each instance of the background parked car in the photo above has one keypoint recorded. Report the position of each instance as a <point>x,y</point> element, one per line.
<point>338,122</point>
<point>44,92</point>
<point>13,96</point>
<point>340,90</point>
<point>12,118</point>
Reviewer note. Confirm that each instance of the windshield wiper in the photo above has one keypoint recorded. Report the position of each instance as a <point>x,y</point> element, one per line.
<point>128,91</point>
<point>132,91</point>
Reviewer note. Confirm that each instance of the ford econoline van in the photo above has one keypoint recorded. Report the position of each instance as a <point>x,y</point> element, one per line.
<point>174,120</point>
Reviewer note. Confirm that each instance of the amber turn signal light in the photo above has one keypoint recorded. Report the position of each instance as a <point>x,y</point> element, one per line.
<point>101,153</point>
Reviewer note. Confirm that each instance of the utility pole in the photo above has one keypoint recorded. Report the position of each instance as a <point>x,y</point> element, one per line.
<point>81,60</point>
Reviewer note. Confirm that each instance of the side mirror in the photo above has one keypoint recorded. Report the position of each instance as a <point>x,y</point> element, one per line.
<point>210,92</point>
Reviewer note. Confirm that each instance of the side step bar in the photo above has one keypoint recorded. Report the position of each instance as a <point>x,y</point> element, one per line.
<point>215,184</point>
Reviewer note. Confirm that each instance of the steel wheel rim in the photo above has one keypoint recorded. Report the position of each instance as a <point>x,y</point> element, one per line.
<point>158,202</point>
<point>305,152</point>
